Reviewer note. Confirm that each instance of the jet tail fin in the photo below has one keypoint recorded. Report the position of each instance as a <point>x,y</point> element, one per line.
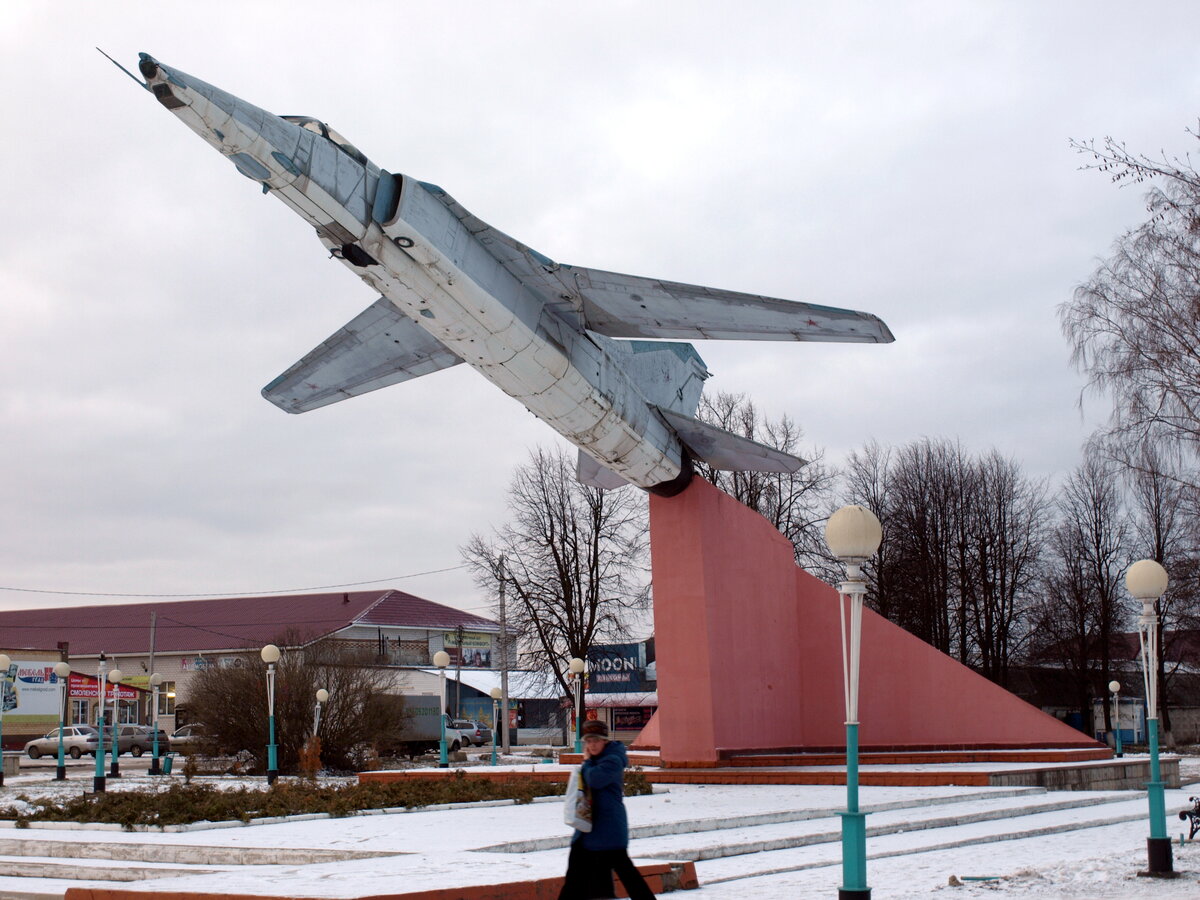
<point>723,449</point>
<point>591,473</point>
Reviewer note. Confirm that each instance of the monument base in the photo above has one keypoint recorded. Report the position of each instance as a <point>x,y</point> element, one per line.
<point>749,658</point>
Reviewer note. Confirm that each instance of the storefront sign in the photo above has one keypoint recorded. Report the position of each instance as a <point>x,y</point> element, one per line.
<point>81,687</point>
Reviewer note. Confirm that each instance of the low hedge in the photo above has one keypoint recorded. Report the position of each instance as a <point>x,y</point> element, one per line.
<point>182,804</point>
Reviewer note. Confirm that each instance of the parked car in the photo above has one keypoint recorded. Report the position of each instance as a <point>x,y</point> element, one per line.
<point>470,732</point>
<point>77,740</point>
<point>188,738</point>
<point>136,739</point>
<point>139,739</point>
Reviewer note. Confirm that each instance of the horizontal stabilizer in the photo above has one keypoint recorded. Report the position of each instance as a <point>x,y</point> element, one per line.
<point>591,473</point>
<point>379,347</point>
<point>723,449</point>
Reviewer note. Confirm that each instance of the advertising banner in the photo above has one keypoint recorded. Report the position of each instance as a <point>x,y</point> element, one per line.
<point>471,658</point>
<point>32,690</point>
<point>615,668</point>
<point>472,640</point>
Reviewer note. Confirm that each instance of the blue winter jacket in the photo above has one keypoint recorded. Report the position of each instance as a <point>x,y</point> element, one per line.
<point>605,777</point>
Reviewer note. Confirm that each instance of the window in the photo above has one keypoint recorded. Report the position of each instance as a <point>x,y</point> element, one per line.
<point>79,711</point>
<point>126,711</point>
<point>166,698</point>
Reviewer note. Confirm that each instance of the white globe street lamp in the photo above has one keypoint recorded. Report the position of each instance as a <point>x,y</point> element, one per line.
<point>98,784</point>
<point>441,659</point>
<point>322,697</point>
<point>156,681</point>
<point>1146,581</point>
<point>496,695</point>
<point>576,668</point>
<point>270,655</point>
<point>1114,688</point>
<point>62,673</point>
<point>114,678</point>
<point>853,535</point>
<point>5,664</point>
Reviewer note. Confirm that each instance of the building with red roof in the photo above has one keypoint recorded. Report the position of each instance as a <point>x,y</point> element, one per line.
<point>179,638</point>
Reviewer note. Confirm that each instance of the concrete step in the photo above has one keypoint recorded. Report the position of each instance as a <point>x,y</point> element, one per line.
<point>903,842</point>
<point>827,830</point>
<point>185,854</point>
<point>95,870</point>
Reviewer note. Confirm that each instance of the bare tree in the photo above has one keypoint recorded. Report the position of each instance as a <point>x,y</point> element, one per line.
<point>232,705</point>
<point>1165,531</point>
<point>1008,525</point>
<point>868,482</point>
<point>1134,325</point>
<point>1091,547</point>
<point>573,562</point>
<point>797,503</point>
<point>958,564</point>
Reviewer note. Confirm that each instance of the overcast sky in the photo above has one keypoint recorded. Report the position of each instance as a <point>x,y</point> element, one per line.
<point>909,159</point>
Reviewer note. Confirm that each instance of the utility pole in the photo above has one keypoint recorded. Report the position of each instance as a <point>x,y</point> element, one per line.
<point>154,712</point>
<point>503,663</point>
<point>458,632</point>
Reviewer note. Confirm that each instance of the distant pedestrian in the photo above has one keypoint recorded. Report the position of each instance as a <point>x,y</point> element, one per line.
<point>596,854</point>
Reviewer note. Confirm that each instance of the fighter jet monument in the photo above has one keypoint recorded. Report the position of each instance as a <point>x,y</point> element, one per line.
<point>599,356</point>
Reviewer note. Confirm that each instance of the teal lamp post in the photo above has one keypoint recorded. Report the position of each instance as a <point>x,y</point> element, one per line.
<point>1146,581</point>
<point>576,670</point>
<point>322,697</point>
<point>114,678</point>
<point>1115,688</point>
<point>270,655</point>
<point>62,672</point>
<point>156,681</point>
<point>101,673</point>
<point>853,534</point>
<point>441,659</point>
<point>5,664</point>
<point>496,695</point>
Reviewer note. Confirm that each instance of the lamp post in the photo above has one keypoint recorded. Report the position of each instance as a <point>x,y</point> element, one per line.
<point>576,670</point>
<point>853,534</point>
<point>322,697</point>
<point>98,780</point>
<point>1146,581</point>
<point>1115,688</point>
<point>114,678</point>
<point>5,663</point>
<point>270,655</point>
<point>62,671</point>
<point>155,681</point>
<point>496,695</point>
<point>441,659</point>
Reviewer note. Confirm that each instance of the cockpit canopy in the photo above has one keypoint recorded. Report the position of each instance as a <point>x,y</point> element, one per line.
<point>308,123</point>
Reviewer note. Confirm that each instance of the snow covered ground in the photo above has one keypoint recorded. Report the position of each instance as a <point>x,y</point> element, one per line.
<point>749,842</point>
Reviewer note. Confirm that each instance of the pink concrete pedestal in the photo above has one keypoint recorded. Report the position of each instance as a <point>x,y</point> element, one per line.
<point>749,656</point>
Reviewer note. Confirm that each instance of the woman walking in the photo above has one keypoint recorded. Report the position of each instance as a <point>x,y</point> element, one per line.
<point>596,854</point>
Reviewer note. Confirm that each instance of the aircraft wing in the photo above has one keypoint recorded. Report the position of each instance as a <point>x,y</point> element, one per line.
<point>630,306</point>
<point>379,347</point>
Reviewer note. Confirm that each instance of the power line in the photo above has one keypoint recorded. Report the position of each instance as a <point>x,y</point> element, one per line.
<point>321,587</point>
